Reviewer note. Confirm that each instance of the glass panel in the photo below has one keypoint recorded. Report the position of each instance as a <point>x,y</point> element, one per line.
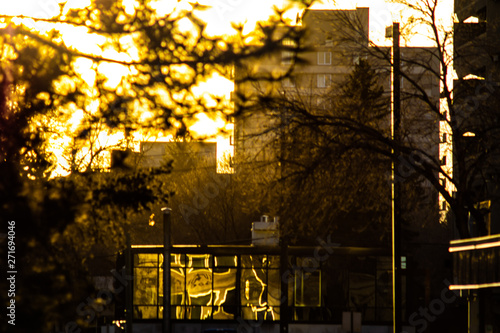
<point>482,266</point>
<point>224,286</point>
<point>249,261</point>
<point>274,296</point>
<point>178,312</point>
<point>307,288</point>
<point>253,287</point>
<point>362,282</point>
<point>177,260</point>
<point>224,312</point>
<point>146,260</point>
<point>274,261</point>
<point>199,283</point>
<point>225,261</point>
<point>177,286</point>
<point>145,312</point>
<point>199,260</point>
<point>307,282</point>
<point>201,299</point>
<point>273,313</point>
<point>253,313</point>
<point>274,287</point>
<point>145,286</point>
<point>199,312</point>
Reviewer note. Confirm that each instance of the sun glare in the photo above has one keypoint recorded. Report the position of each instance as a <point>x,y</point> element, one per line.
<point>220,15</point>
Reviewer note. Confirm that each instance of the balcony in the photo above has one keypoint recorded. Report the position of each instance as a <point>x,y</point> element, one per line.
<point>476,262</point>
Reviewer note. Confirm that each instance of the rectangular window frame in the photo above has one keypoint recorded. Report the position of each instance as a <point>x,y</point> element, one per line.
<point>324,58</point>
<point>288,82</point>
<point>324,80</point>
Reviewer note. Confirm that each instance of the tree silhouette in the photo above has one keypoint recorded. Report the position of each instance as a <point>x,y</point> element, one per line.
<point>328,182</point>
<point>463,114</point>
<point>45,103</point>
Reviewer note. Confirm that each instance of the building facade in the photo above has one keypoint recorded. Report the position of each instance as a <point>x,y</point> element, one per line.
<point>476,90</point>
<point>239,287</point>
<point>334,42</point>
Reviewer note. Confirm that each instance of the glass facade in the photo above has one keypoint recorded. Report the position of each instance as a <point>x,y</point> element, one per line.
<point>476,262</point>
<point>147,286</point>
<point>248,286</point>
<point>260,286</point>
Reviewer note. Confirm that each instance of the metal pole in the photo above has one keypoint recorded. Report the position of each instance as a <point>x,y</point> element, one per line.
<point>396,187</point>
<point>284,318</point>
<point>129,298</point>
<point>166,269</point>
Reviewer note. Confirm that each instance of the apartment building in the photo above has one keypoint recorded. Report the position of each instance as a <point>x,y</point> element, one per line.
<point>335,41</point>
<point>476,117</point>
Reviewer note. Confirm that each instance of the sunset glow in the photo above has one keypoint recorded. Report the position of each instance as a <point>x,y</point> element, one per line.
<point>220,17</point>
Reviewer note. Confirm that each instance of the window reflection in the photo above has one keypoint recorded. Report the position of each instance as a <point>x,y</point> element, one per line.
<point>202,291</point>
<point>146,286</point>
<point>260,287</point>
<point>204,286</point>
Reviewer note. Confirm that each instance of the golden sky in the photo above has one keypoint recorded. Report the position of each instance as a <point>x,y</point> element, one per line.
<point>218,19</point>
<point>223,12</point>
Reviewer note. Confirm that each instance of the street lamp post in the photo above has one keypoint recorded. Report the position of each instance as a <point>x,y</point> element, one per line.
<point>396,186</point>
<point>129,297</point>
<point>166,269</point>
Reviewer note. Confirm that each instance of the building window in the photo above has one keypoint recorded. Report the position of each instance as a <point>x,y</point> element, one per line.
<point>324,80</point>
<point>202,286</point>
<point>205,286</point>
<point>146,286</point>
<point>324,58</point>
<point>260,286</point>
<point>288,82</point>
<point>307,291</point>
<point>288,55</point>
<point>444,138</point>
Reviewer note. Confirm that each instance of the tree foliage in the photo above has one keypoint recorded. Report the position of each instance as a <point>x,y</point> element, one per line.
<point>53,110</point>
<point>462,112</point>
<point>334,185</point>
<point>324,180</point>
<point>431,106</point>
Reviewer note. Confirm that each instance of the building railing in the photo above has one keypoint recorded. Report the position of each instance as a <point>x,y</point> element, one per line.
<point>476,262</point>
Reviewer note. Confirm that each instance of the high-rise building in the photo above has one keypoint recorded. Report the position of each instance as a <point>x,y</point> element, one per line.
<point>334,42</point>
<point>476,91</point>
<point>476,119</point>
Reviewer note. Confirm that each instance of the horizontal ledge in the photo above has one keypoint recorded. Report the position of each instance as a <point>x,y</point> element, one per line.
<point>474,286</point>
